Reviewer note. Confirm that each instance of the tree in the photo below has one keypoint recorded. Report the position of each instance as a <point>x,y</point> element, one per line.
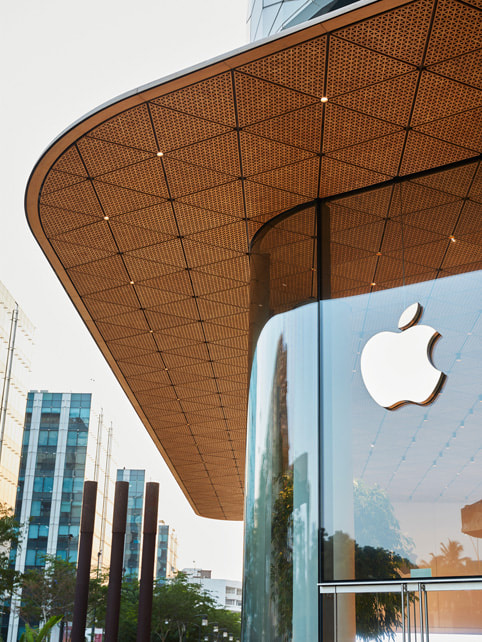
<point>48,591</point>
<point>43,633</point>
<point>9,537</point>
<point>128,610</point>
<point>177,609</point>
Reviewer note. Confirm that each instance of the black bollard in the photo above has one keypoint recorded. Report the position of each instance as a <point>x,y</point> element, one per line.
<point>147,567</point>
<point>83,567</point>
<point>116,561</point>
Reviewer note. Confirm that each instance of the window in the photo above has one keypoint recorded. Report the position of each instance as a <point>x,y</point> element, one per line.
<point>35,510</point>
<point>43,484</point>
<point>30,558</point>
<point>230,590</point>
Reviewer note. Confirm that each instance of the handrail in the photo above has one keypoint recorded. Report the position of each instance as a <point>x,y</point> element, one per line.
<point>410,584</point>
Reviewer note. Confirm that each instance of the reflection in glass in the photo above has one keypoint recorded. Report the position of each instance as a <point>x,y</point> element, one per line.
<point>281,537</point>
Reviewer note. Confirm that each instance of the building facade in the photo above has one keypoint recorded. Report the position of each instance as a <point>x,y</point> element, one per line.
<point>228,594</point>
<point>267,17</point>
<point>16,343</point>
<point>166,560</point>
<point>60,450</point>
<point>135,505</point>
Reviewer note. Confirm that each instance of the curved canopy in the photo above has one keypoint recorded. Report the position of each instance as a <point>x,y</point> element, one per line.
<point>146,207</point>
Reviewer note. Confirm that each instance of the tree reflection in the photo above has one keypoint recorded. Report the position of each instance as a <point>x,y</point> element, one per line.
<point>282,556</point>
<point>449,561</point>
<point>378,616</point>
<point>376,523</point>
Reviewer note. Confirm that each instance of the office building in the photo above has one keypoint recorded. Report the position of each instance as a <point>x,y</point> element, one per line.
<point>16,343</point>
<point>166,560</point>
<point>303,214</point>
<point>135,505</point>
<point>60,450</point>
<point>227,594</point>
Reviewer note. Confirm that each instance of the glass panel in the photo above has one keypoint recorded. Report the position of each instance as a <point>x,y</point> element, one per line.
<point>281,507</point>
<point>405,482</point>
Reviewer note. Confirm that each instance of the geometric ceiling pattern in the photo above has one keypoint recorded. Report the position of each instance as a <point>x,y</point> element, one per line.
<point>147,207</point>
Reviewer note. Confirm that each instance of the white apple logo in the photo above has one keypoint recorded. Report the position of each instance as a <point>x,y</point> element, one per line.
<point>397,368</point>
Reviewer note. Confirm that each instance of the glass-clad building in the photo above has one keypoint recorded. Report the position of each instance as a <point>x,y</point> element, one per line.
<point>51,480</point>
<point>266,17</point>
<point>135,503</point>
<point>365,415</point>
<point>166,559</point>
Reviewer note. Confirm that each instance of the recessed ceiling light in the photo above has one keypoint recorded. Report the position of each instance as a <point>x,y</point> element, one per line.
<point>324,99</point>
<point>452,238</point>
<point>131,282</point>
<point>159,153</point>
<point>106,218</point>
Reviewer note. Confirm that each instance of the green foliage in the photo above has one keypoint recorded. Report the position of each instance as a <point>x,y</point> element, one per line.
<point>98,585</point>
<point>377,616</point>
<point>178,608</point>
<point>128,610</point>
<point>43,633</point>
<point>281,570</point>
<point>48,591</point>
<point>9,537</point>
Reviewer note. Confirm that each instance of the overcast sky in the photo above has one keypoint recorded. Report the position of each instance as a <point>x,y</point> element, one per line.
<point>59,60</point>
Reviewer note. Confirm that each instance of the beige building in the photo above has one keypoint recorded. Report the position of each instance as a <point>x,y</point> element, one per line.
<point>16,343</point>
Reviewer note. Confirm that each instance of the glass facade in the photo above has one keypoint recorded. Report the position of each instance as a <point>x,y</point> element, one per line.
<point>166,561</point>
<point>132,543</point>
<point>51,479</point>
<point>375,505</point>
<point>267,17</point>
<point>53,454</point>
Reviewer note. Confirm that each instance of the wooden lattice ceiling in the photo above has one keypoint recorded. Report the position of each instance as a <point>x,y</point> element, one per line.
<point>146,208</point>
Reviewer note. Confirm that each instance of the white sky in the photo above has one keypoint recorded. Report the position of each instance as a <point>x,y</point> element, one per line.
<point>59,60</point>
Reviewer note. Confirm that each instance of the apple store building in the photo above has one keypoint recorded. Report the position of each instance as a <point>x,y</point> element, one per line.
<point>279,253</point>
<point>364,423</point>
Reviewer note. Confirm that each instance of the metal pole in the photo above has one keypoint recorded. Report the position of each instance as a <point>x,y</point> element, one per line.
<point>98,446</point>
<point>427,634</point>
<point>147,568</point>
<point>8,374</point>
<point>106,493</point>
<point>83,566</point>
<point>116,561</point>
<point>421,588</point>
